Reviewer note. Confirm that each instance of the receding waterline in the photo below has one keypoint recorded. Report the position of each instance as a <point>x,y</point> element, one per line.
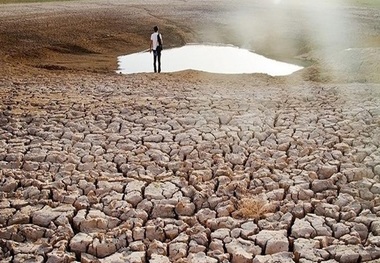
<point>209,58</point>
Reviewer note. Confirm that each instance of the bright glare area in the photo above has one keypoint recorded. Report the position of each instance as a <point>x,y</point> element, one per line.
<point>208,58</point>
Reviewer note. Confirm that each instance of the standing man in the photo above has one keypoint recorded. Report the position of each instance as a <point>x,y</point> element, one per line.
<point>156,46</point>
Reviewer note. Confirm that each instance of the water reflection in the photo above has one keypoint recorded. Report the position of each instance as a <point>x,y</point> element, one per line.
<point>208,58</point>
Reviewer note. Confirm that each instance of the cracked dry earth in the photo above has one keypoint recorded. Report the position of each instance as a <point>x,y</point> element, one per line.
<point>151,168</point>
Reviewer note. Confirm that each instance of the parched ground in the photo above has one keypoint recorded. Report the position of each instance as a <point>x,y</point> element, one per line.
<point>189,166</point>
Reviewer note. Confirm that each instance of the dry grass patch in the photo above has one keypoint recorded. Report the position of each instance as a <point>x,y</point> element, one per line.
<point>253,208</point>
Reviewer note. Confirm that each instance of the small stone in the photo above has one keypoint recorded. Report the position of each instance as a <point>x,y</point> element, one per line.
<point>137,246</point>
<point>28,257</point>
<point>133,257</point>
<point>302,228</point>
<point>321,185</point>
<point>307,249</point>
<point>248,229</point>
<point>57,256</point>
<point>283,257</point>
<point>327,171</point>
<point>8,184</point>
<point>375,189</point>
<point>222,222</point>
<point>185,208</point>
<point>340,230</point>
<point>177,250</point>
<point>343,147</point>
<point>157,248</point>
<point>159,259</point>
<point>242,250</point>
<point>153,138</point>
<point>201,257</point>
<point>273,241</point>
<point>163,210</point>
<point>374,240</point>
<point>376,169</point>
<point>80,242</point>
<point>204,215</point>
<point>103,247</point>
<point>221,233</point>
<point>154,233</point>
<point>46,215</point>
<point>87,258</point>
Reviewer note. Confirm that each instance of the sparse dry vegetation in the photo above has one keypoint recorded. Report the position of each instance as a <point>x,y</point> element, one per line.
<point>253,207</point>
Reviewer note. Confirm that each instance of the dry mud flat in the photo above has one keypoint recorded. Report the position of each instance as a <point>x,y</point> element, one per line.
<point>145,168</point>
<point>184,167</point>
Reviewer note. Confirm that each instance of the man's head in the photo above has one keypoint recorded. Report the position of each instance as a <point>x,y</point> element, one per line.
<point>155,29</point>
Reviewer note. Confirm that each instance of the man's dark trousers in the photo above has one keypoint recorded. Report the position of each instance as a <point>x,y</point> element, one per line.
<point>157,58</point>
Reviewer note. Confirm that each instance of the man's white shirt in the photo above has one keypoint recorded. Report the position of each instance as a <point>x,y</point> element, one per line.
<point>153,37</point>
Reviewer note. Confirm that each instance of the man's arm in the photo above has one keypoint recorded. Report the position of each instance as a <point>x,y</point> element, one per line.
<point>151,45</point>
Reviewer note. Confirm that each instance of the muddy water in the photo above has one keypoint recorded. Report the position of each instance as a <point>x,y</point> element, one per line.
<point>209,58</point>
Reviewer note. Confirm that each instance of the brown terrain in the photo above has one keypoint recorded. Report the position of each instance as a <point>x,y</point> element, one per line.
<point>190,166</point>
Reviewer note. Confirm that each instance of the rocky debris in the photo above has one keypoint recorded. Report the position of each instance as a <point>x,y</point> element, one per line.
<point>191,173</point>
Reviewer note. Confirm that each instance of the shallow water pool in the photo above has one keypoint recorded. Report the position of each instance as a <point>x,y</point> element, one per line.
<point>208,58</point>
